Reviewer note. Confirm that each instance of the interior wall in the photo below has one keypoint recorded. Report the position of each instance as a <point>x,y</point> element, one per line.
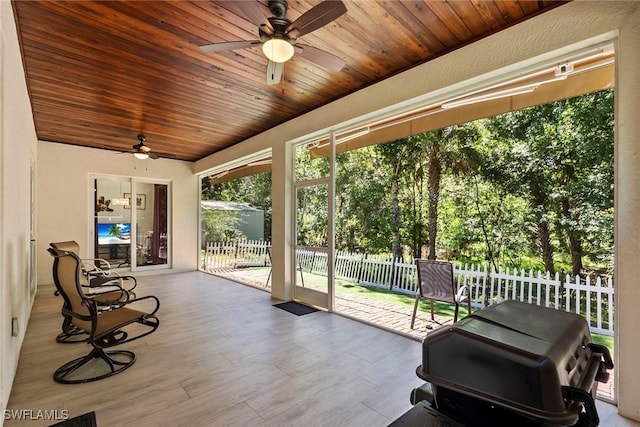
<point>565,28</point>
<point>65,202</point>
<point>17,154</point>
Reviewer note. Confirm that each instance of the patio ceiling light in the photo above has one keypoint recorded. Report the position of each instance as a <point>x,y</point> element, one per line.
<point>278,50</point>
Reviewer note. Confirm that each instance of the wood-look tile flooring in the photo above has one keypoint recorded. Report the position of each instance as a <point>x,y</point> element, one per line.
<point>388,316</point>
<point>223,356</point>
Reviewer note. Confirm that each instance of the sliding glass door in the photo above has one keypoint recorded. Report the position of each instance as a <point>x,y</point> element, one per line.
<point>130,223</point>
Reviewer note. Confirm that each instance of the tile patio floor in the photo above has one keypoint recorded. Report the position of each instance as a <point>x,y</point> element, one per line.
<point>386,316</point>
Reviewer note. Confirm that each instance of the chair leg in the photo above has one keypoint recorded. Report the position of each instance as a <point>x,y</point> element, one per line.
<point>455,313</point>
<point>415,309</point>
<point>432,311</point>
<point>116,361</point>
<point>299,268</point>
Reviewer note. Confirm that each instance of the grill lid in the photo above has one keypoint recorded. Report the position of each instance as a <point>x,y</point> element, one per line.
<point>534,360</point>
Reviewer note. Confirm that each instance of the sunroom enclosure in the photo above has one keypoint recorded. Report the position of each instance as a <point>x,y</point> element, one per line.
<point>592,69</point>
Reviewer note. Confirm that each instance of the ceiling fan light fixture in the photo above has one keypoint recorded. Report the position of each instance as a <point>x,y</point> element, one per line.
<point>141,156</point>
<point>278,50</point>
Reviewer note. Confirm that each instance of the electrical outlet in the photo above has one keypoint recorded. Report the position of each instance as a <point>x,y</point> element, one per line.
<point>14,327</point>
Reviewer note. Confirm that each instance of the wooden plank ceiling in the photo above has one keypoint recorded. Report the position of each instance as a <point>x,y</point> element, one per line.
<point>101,72</point>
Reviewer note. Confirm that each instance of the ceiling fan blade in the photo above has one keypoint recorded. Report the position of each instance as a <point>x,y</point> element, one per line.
<point>320,57</point>
<point>254,11</point>
<point>153,155</point>
<point>274,72</point>
<point>316,17</point>
<point>219,47</point>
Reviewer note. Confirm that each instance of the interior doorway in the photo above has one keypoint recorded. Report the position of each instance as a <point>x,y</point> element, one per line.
<point>130,227</point>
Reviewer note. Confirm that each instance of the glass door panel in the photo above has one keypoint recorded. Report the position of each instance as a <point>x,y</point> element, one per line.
<point>312,248</point>
<point>112,222</point>
<point>151,223</point>
<point>131,222</point>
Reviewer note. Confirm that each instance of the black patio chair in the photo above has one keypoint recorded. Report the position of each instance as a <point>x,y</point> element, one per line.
<point>104,286</point>
<point>105,328</point>
<point>435,283</point>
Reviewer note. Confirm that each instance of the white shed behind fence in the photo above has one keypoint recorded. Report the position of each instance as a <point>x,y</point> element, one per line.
<point>250,218</point>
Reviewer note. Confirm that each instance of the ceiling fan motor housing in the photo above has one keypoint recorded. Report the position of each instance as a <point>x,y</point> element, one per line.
<point>279,25</point>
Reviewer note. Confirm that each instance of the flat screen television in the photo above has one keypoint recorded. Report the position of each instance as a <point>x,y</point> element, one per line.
<point>114,233</point>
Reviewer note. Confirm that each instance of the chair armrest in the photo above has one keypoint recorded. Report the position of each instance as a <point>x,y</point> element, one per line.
<point>87,264</point>
<point>138,300</point>
<point>99,281</point>
<point>108,297</point>
<point>91,291</point>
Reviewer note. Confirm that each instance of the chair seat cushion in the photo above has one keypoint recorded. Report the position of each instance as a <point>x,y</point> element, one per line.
<point>114,319</point>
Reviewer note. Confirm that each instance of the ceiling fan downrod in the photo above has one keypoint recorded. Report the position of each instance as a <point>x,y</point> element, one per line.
<point>278,8</point>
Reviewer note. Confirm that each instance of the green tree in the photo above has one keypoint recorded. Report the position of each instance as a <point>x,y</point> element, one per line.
<point>396,157</point>
<point>560,157</point>
<point>219,226</point>
<point>447,150</point>
<point>520,163</point>
<point>362,204</point>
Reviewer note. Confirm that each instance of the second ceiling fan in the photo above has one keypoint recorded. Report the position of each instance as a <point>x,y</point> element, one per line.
<point>278,36</point>
<point>142,151</point>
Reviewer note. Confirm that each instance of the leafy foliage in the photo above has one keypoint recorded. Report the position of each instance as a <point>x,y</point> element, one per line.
<point>530,188</point>
<point>219,226</point>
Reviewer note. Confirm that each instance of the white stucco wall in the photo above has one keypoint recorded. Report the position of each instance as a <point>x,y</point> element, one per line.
<point>65,204</point>
<point>627,210</point>
<point>17,151</point>
<point>565,28</point>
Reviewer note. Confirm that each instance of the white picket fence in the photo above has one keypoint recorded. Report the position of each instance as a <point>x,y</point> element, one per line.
<point>589,297</point>
<point>236,254</point>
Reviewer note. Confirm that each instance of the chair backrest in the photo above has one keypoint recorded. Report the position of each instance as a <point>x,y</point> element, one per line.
<point>435,280</point>
<point>68,246</point>
<point>67,278</point>
<point>93,265</point>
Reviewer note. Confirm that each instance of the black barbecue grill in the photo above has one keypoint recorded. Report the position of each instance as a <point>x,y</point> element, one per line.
<point>511,364</point>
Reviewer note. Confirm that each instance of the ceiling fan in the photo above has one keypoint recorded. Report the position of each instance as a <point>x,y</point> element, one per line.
<point>278,36</point>
<point>142,151</point>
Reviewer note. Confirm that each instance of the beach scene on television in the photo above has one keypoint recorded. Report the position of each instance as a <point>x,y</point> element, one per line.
<point>114,233</point>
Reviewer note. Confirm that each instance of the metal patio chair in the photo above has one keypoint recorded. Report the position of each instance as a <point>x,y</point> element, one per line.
<point>435,283</point>
<point>120,324</point>
<point>97,271</point>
